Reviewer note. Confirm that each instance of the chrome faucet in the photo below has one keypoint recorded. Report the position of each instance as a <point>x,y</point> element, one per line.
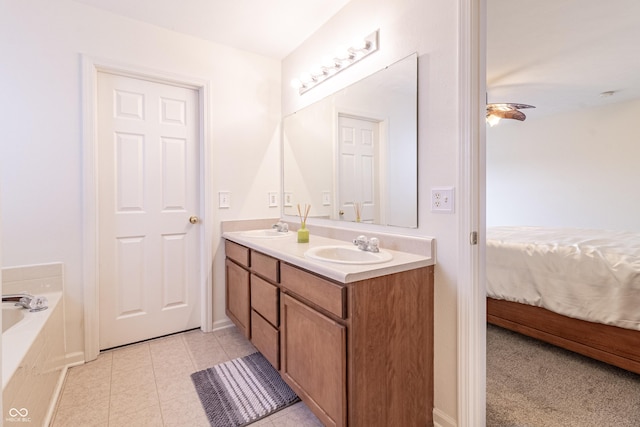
<point>281,227</point>
<point>365,244</point>
<point>27,301</point>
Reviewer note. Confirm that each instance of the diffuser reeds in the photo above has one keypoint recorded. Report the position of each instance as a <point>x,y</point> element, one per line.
<point>303,220</point>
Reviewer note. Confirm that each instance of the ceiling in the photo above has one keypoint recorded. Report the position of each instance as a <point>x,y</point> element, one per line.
<point>557,55</point>
<point>560,55</point>
<point>272,28</point>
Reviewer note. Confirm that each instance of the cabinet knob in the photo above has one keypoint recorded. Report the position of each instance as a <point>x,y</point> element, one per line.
<point>194,219</point>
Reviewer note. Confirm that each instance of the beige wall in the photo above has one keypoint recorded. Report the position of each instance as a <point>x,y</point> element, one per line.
<point>41,150</point>
<point>428,27</point>
<point>576,169</point>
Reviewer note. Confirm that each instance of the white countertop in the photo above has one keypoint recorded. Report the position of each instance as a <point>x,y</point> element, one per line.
<point>289,250</point>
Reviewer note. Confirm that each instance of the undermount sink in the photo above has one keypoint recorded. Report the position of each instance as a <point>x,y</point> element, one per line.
<point>267,233</point>
<point>345,254</point>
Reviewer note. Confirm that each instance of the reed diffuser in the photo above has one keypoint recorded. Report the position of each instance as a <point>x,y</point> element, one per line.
<point>303,233</point>
<point>358,208</point>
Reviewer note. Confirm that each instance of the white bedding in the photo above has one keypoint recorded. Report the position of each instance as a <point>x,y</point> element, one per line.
<point>591,275</point>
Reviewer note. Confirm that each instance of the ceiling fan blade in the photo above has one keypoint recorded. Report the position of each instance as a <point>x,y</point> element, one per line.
<point>508,106</point>
<point>510,114</point>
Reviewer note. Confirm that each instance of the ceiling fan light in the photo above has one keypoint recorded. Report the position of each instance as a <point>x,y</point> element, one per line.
<point>493,120</point>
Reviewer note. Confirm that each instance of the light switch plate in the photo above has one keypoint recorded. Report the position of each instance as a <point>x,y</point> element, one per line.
<point>288,199</point>
<point>326,198</point>
<point>442,199</point>
<point>273,199</point>
<point>224,199</point>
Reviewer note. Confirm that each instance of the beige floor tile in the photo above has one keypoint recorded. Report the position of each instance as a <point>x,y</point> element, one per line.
<point>183,410</point>
<point>98,369</point>
<point>133,400</point>
<point>301,416</point>
<point>204,358</point>
<point>146,417</point>
<point>172,363</point>
<point>265,422</point>
<point>96,414</point>
<point>135,377</point>
<point>236,345</point>
<point>171,387</point>
<point>127,358</point>
<point>149,384</point>
<point>84,393</point>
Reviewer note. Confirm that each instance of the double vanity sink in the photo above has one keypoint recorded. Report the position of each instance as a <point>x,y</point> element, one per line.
<point>350,330</point>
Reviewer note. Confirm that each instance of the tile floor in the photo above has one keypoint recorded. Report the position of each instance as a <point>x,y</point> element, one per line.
<point>149,384</point>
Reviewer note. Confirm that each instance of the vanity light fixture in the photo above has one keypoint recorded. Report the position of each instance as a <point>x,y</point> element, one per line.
<point>330,66</point>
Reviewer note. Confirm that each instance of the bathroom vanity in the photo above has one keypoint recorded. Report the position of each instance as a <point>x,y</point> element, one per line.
<point>354,341</point>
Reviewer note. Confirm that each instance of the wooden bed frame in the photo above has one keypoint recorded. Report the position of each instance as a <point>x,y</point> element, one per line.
<point>610,344</point>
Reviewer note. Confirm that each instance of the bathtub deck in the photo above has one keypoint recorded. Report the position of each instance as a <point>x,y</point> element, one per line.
<point>150,384</point>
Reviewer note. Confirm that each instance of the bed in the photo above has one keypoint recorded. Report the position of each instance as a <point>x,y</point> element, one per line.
<point>575,288</point>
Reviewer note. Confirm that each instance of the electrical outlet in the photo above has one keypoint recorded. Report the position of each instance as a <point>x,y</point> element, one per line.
<point>442,199</point>
<point>224,199</point>
<point>273,199</point>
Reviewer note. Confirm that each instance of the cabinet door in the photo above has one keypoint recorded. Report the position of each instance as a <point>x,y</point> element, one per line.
<point>238,296</point>
<point>313,360</point>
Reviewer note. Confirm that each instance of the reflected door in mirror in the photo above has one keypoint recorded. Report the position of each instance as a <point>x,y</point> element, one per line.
<point>358,160</point>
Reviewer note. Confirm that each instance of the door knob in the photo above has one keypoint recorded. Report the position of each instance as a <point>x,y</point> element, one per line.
<point>341,212</point>
<point>194,219</point>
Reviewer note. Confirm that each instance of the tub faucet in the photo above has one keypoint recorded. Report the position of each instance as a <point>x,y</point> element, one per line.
<point>281,227</point>
<point>365,244</point>
<point>27,301</point>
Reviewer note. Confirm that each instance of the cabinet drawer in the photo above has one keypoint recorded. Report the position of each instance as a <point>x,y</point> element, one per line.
<point>266,338</point>
<point>236,252</point>
<point>265,266</point>
<point>325,294</point>
<point>264,299</point>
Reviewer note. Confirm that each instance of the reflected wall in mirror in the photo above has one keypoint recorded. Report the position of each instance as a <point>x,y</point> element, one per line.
<point>353,154</point>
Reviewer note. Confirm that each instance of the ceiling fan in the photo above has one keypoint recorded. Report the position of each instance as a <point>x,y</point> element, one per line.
<point>495,112</point>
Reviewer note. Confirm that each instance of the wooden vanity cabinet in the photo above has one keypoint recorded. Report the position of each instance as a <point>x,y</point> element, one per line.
<point>253,297</point>
<point>360,354</point>
<point>237,286</point>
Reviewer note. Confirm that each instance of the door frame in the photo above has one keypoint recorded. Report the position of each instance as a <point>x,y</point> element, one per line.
<point>90,68</point>
<point>472,326</point>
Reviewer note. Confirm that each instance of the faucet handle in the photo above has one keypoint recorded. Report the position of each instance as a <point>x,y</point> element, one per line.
<point>360,240</point>
<point>374,244</point>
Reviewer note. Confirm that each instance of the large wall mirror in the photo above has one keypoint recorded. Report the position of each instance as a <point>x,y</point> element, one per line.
<point>353,154</point>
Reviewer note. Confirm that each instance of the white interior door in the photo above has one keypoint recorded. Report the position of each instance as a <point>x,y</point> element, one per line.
<point>358,140</point>
<point>149,251</point>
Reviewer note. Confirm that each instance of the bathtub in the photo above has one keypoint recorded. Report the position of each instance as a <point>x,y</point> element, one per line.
<point>32,360</point>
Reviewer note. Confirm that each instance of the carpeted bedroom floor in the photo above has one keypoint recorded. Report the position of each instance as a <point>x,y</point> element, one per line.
<point>534,384</point>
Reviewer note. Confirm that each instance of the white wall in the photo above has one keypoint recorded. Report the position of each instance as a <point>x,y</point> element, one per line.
<point>429,27</point>
<point>41,152</point>
<point>577,169</point>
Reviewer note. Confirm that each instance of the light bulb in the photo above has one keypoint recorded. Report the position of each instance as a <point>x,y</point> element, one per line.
<point>493,120</point>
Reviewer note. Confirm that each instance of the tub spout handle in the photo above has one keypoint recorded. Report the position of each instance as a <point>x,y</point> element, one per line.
<point>27,301</point>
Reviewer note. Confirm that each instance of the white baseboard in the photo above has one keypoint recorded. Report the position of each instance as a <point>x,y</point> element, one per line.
<point>74,359</point>
<point>222,324</point>
<point>440,419</point>
<point>53,403</point>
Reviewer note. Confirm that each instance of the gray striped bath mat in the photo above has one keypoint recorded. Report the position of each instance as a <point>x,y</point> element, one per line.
<point>242,391</point>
